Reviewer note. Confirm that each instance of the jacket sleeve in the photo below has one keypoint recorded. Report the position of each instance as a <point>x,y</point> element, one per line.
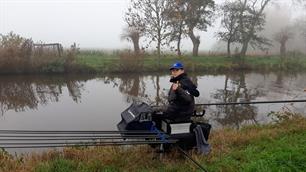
<point>191,88</point>
<point>185,95</point>
<point>194,92</point>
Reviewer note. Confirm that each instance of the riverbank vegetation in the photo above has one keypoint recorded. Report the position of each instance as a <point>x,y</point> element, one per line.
<point>117,62</point>
<point>273,147</point>
<point>19,55</point>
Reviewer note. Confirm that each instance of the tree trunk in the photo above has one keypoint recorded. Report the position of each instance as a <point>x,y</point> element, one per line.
<point>179,39</point>
<point>196,43</point>
<point>244,48</point>
<point>136,45</point>
<point>283,49</point>
<point>158,52</point>
<point>228,48</point>
<point>179,53</point>
<point>195,50</point>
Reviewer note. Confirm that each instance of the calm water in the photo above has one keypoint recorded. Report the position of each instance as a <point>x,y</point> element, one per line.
<point>95,102</point>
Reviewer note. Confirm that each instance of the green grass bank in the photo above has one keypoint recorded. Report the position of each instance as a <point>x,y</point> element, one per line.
<point>273,147</point>
<point>98,62</point>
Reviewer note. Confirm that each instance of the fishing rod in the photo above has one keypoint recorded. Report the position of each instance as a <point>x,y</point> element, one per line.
<point>93,142</point>
<point>191,159</point>
<point>244,103</point>
<point>77,138</point>
<point>36,139</point>
<point>255,102</point>
<point>82,144</point>
<point>75,132</point>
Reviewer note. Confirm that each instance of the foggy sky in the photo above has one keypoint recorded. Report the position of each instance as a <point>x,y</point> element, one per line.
<point>90,23</point>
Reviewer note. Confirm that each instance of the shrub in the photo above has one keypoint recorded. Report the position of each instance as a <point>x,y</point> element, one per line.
<point>15,53</point>
<point>131,62</point>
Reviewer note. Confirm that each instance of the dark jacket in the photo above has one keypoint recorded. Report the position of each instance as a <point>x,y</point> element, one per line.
<point>181,101</point>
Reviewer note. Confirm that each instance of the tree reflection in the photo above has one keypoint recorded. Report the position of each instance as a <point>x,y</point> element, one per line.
<point>135,88</point>
<point>27,92</point>
<point>235,90</point>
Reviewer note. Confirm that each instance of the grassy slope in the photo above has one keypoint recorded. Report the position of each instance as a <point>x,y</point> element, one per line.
<point>101,62</point>
<point>278,147</point>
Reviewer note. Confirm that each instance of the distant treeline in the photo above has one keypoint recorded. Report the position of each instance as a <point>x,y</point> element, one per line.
<point>21,55</point>
<point>167,22</point>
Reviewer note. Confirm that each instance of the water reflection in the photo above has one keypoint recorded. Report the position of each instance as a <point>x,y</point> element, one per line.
<point>28,92</point>
<point>235,87</point>
<point>138,87</point>
<point>235,90</point>
<point>100,100</point>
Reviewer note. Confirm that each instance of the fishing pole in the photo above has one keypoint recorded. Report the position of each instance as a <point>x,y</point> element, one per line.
<point>101,136</point>
<point>74,143</point>
<point>191,159</point>
<point>77,138</point>
<point>244,103</point>
<point>256,102</point>
<point>76,132</point>
<point>81,145</point>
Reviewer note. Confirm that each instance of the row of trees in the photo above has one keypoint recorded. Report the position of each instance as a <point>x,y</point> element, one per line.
<point>167,22</point>
<point>242,21</point>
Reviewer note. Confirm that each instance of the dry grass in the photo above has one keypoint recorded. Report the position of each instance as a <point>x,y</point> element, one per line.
<point>223,142</point>
<point>19,55</point>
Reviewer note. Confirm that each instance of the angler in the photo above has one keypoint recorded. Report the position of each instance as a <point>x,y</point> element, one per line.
<point>175,121</point>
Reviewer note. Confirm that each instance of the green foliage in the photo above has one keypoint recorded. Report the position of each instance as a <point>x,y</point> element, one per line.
<point>107,63</point>
<point>286,153</point>
<point>54,67</point>
<point>58,165</point>
<point>64,165</point>
<point>280,147</point>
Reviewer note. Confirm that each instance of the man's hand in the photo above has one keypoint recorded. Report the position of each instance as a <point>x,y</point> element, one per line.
<point>175,86</point>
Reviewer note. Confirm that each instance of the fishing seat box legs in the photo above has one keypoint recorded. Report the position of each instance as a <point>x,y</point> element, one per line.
<point>183,132</point>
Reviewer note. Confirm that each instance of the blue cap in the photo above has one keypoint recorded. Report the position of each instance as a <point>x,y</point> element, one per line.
<point>177,65</point>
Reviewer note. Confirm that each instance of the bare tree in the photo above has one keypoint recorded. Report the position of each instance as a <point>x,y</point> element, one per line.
<point>229,22</point>
<point>282,37</point>
<point>132,34</point>
<point>199,15</point>
<point>251,21</point>
<point>135,27</point>
<point>176,16</point>
<point>242,21</point>
<point>150,14</point>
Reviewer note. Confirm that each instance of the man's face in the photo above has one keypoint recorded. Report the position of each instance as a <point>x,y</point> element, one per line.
<point>176,72</point>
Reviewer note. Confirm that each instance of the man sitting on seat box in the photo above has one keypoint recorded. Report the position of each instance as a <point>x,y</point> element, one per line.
<point>181,95</point>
